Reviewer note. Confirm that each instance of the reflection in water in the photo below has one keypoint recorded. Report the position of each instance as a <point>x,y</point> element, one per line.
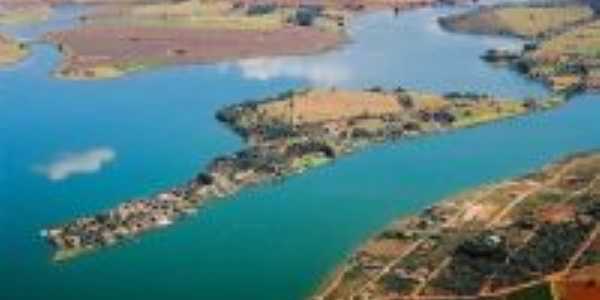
<point>69,164</point>
<point>325,73</point>
<point>410,50</point>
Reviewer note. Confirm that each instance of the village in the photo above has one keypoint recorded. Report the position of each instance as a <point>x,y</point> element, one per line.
<point>288,134</point>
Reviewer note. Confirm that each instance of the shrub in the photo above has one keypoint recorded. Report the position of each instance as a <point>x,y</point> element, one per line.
<point>261,9</point>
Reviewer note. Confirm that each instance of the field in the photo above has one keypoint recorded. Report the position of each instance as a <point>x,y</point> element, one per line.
<point>11,51</point>
<point>188,14</point>
<point>325,105</point>
<point>573,57</point>
<point>317,106</point>
<point>523,21</point>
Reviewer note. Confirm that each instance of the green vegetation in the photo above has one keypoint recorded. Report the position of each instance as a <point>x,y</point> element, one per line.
<point>539,292</point>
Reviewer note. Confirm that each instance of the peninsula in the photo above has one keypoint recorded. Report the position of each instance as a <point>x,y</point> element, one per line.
<point>563,40</point>
<point>534,237</point>
<point>11,51</point>
<point>285,135</point>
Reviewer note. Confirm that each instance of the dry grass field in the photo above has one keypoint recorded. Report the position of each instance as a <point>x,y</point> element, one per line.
<point>521,21</point>
<point>11,51</point>
<point>192,14</point>
<point>583,42</point>
<point>317,106</point>
<point>326,105</point>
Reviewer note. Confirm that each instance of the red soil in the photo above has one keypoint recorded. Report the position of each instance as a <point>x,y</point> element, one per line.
<point>581,285</point>
<point>557,213</point>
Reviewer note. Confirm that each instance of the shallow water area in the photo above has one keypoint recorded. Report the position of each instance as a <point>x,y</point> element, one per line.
<point>69,148</point>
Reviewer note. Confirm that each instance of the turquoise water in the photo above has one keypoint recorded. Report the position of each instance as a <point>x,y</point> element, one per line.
<point>156,129</point>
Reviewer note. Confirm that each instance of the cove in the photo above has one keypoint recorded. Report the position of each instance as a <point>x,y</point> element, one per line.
<point>272,242</point>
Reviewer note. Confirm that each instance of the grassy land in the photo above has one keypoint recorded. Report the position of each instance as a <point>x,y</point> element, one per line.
<point>200,15</point>
<point>566,52</point>
<point>569,59</point>
<point>191,14</point>
<point>583,42</point>
<point>533,21</point>
<point>523,21</point>
<point>11,51</point>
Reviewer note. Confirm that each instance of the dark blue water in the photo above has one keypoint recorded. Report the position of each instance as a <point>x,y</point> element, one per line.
<point>70,148</point>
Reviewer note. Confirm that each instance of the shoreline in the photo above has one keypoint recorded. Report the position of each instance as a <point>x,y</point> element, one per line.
<point>113,73</point>
<point>546,56</point>
<point>12,51</point>
<point>383,266</point>
<point>277,149</point>
<point>92,52</point>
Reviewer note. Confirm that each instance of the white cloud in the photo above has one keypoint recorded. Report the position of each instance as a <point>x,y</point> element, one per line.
<point>315,71</point>
<point>70,164</point>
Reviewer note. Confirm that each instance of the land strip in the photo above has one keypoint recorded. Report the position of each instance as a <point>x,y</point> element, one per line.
<point>537,20</point>
<point>285,135</point>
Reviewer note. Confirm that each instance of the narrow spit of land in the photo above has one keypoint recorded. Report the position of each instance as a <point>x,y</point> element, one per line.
<point>527,238</point>
<point>285,135</point>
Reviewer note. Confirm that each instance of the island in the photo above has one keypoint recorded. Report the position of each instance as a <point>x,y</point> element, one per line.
<point>11,51</point>
<point>534,237</point>
<point>116,39</point>
<point>563,36</point>
<point>285,135</point>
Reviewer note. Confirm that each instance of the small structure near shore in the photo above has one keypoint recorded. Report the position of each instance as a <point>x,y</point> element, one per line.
<point>501,55</point>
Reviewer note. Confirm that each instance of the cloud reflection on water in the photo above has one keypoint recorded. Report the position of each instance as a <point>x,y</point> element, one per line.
<point>317,72</point>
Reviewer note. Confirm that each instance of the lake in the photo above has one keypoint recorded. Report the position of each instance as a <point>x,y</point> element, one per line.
<point>69,148</point>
